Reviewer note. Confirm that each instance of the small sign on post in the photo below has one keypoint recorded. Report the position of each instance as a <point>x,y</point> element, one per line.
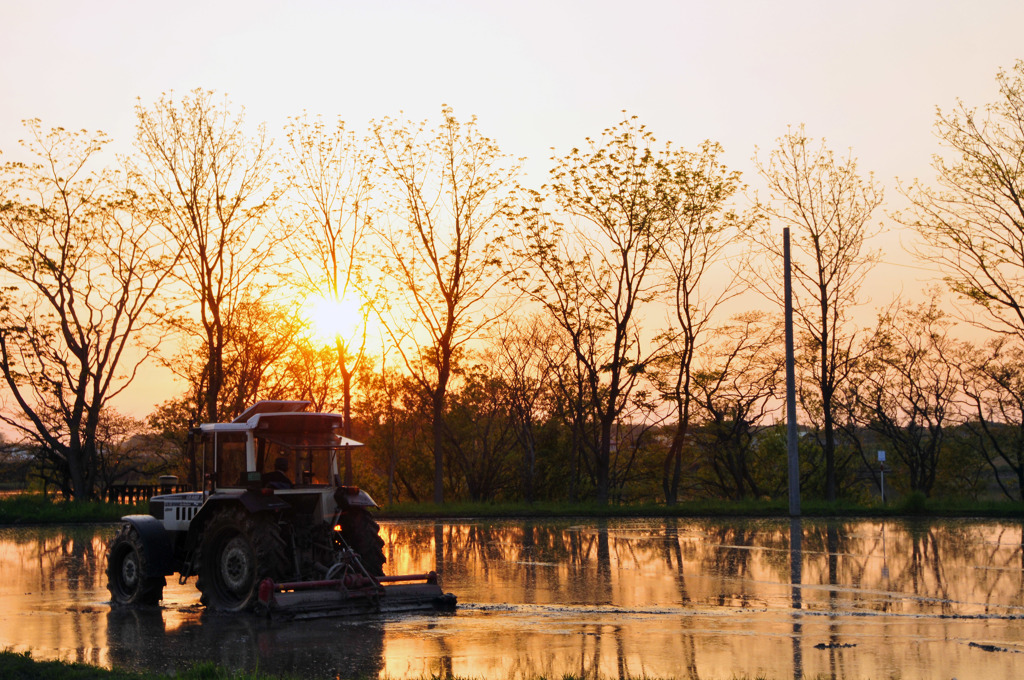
<point>881,463</point>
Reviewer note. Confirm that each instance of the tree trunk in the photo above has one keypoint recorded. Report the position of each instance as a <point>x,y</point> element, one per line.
<point>830,454</point>
<point>603,467</point>
<point>346,409</point>
<point>827,391</point>
<point>438,398</point>
<point>672,467</point>
<point>438,427</point>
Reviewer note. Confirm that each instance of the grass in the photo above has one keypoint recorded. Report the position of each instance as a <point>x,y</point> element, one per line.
<point>33,508</point>
<point>29,508</point>
<point>21,666</point>
<point>586,509</point>
<point>910,507</point>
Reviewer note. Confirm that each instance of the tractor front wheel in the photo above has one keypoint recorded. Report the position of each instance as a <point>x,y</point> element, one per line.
<point>127,567</point>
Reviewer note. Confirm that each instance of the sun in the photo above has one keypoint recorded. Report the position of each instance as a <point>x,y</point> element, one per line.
<point>331,319</point>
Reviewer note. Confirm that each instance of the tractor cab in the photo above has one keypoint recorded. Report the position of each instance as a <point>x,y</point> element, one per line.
<point>275,442</point>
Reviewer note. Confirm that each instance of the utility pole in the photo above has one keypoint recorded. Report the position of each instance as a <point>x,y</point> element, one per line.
<point>791,431</point>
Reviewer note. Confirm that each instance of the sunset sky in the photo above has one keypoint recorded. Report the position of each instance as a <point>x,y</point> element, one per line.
<point>538,74</point>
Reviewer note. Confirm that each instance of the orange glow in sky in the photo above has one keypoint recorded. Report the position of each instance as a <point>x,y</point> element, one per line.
<point>540,76</point>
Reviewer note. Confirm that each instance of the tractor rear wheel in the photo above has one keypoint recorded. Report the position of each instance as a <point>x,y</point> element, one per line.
<point>127,567</point>
<point>362,533</point>
<point>238,551</point>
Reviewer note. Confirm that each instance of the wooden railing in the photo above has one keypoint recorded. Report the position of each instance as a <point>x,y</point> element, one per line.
<point>136,493</point>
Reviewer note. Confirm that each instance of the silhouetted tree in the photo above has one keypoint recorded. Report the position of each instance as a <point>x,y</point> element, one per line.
<point>697,198</point>
<point>735,386</point>
<point>828,206</point>
<point>525,353</point>
<point>993,381</point>
<point>912,387</point>
<point>127,450</point>
<point>597,275</point>
<point>973,220</point>
<point>214,185</point>
<point>450,191</point>
<point>481,432</point>
<point>331,195</point>
<point>80,269</point>
<point>397,433</point>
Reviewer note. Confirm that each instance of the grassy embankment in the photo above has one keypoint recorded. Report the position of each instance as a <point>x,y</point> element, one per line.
<point>14,666</point>
<point>34,509</point>
<point>913,506</point>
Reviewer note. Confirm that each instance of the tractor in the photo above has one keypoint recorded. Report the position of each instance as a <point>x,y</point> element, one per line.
<point>274,530</point>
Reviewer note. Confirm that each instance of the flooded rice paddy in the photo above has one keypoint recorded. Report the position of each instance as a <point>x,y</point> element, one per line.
<point>676,598</point>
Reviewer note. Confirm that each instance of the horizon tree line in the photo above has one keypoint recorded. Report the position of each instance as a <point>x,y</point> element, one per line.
<point>567,341</point>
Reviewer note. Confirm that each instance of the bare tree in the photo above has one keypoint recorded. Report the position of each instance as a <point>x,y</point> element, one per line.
<point>599,273</point>
<point>451,191</point>
<point>972,225</point>
<point>260,342</point>
<point>80,271</point>
<point>16,463</point>
<point>972,222</point>
<point>735,386</point>
<point>311,372</point>
<point>397,432</point>
<point>330,183</point>
<point>481,431</point>
<point>697,201</point>
<point>214,184</point>
<point>912,388</point>
<point>828,205</point>
<point>525,353</point>
<point>127,450</point>
<point>993,382</point>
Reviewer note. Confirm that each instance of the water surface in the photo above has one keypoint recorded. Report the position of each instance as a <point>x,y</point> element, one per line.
<point>674,598</point>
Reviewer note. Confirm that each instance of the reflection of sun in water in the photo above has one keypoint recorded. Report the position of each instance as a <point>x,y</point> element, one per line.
<point>331,318</point>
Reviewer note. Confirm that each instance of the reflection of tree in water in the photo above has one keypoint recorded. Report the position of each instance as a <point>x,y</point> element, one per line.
<point>945,567</point>
<point>1005,563</point>
<point>69,559</point>
<point>924,570</point>
<point>537,556</point>
<point>586,563</point>
<point>672,554</point>
<point>920,556</point>
<point>57,569</point>
<point>917,556</point>
<point>675,556</point>
<point>731,561</point>
<point>603,582</point>
<point>837,554</point>
<point>140,639</point>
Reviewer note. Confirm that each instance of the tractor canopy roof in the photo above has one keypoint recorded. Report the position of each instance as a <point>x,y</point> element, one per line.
<point>287,423</point>
<point>271,406</point>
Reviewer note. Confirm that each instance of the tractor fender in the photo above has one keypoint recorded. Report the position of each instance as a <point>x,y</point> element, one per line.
<point>253,502</point>
<point>353,497</point>
<point>156,541</point>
